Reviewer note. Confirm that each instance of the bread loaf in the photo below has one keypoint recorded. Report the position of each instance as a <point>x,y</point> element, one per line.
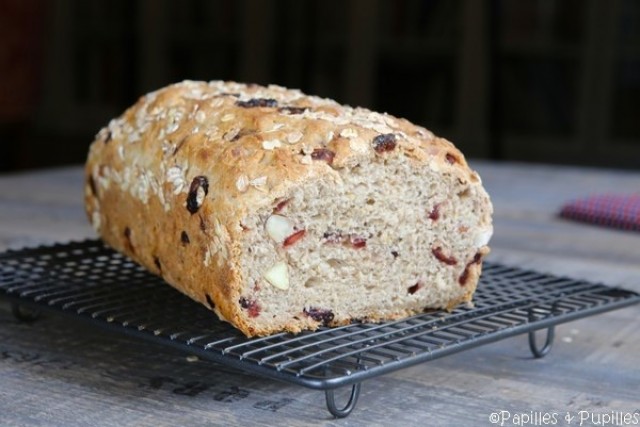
<point>285,212</point>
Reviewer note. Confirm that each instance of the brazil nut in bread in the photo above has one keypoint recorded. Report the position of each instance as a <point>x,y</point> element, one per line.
<point>284,212</point>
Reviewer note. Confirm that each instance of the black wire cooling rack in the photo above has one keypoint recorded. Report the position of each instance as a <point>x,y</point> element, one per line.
<point>87,280</point>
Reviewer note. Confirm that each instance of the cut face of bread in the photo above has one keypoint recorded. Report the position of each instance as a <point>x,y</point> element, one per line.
<point>378,240</point>
<point>284,212</point>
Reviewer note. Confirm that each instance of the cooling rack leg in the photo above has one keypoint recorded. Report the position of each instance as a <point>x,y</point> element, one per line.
<point>353,399</point>
<point>24,314</point>
<point>548,343</point>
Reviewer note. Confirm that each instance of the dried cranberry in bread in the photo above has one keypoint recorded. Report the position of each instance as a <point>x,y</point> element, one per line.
<point>283,212</point>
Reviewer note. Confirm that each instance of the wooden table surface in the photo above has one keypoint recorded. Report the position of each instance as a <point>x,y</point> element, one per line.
<point>57,372</point>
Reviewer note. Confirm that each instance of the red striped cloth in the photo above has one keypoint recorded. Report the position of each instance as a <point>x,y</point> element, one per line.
<point>609,210</point>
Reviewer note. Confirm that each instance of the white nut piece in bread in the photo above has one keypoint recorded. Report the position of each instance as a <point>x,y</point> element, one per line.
<point>284,212</point>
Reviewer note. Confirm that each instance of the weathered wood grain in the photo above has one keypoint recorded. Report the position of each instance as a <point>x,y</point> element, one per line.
<point>56,372</point>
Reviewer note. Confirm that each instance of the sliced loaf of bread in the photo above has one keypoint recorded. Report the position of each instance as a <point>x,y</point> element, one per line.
<point>284,212</point>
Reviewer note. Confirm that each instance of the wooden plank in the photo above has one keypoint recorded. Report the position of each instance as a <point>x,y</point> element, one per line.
<point>528,232</point>
<point>104,379</point>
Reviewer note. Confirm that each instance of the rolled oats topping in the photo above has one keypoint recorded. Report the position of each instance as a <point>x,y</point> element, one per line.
<point>270,144</point>
<point>349,133</point>
<point>200,117</point>
<point>242,183</point>
<point>294,137</point>
<point>217,112</point>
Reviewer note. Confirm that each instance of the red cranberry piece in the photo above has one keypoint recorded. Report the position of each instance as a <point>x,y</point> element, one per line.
<point>258,102</point>
<point>384,142</point>
<point>293,238</point>
<point>451,159</point>
<point>282,203</point>
<point>462,280</point>
<point>252,307</point>
<point>465,274</point>
<point>197,192</point>
<point>357,242</point>
<point>413,289</point>
<point>434,215</point>
<point>319,315</point>
<point>350,240</point>
<point>449,260</point>
<point>323,154</point>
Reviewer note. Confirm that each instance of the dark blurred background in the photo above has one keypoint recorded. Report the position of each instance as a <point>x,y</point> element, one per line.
<point>553,81</point>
